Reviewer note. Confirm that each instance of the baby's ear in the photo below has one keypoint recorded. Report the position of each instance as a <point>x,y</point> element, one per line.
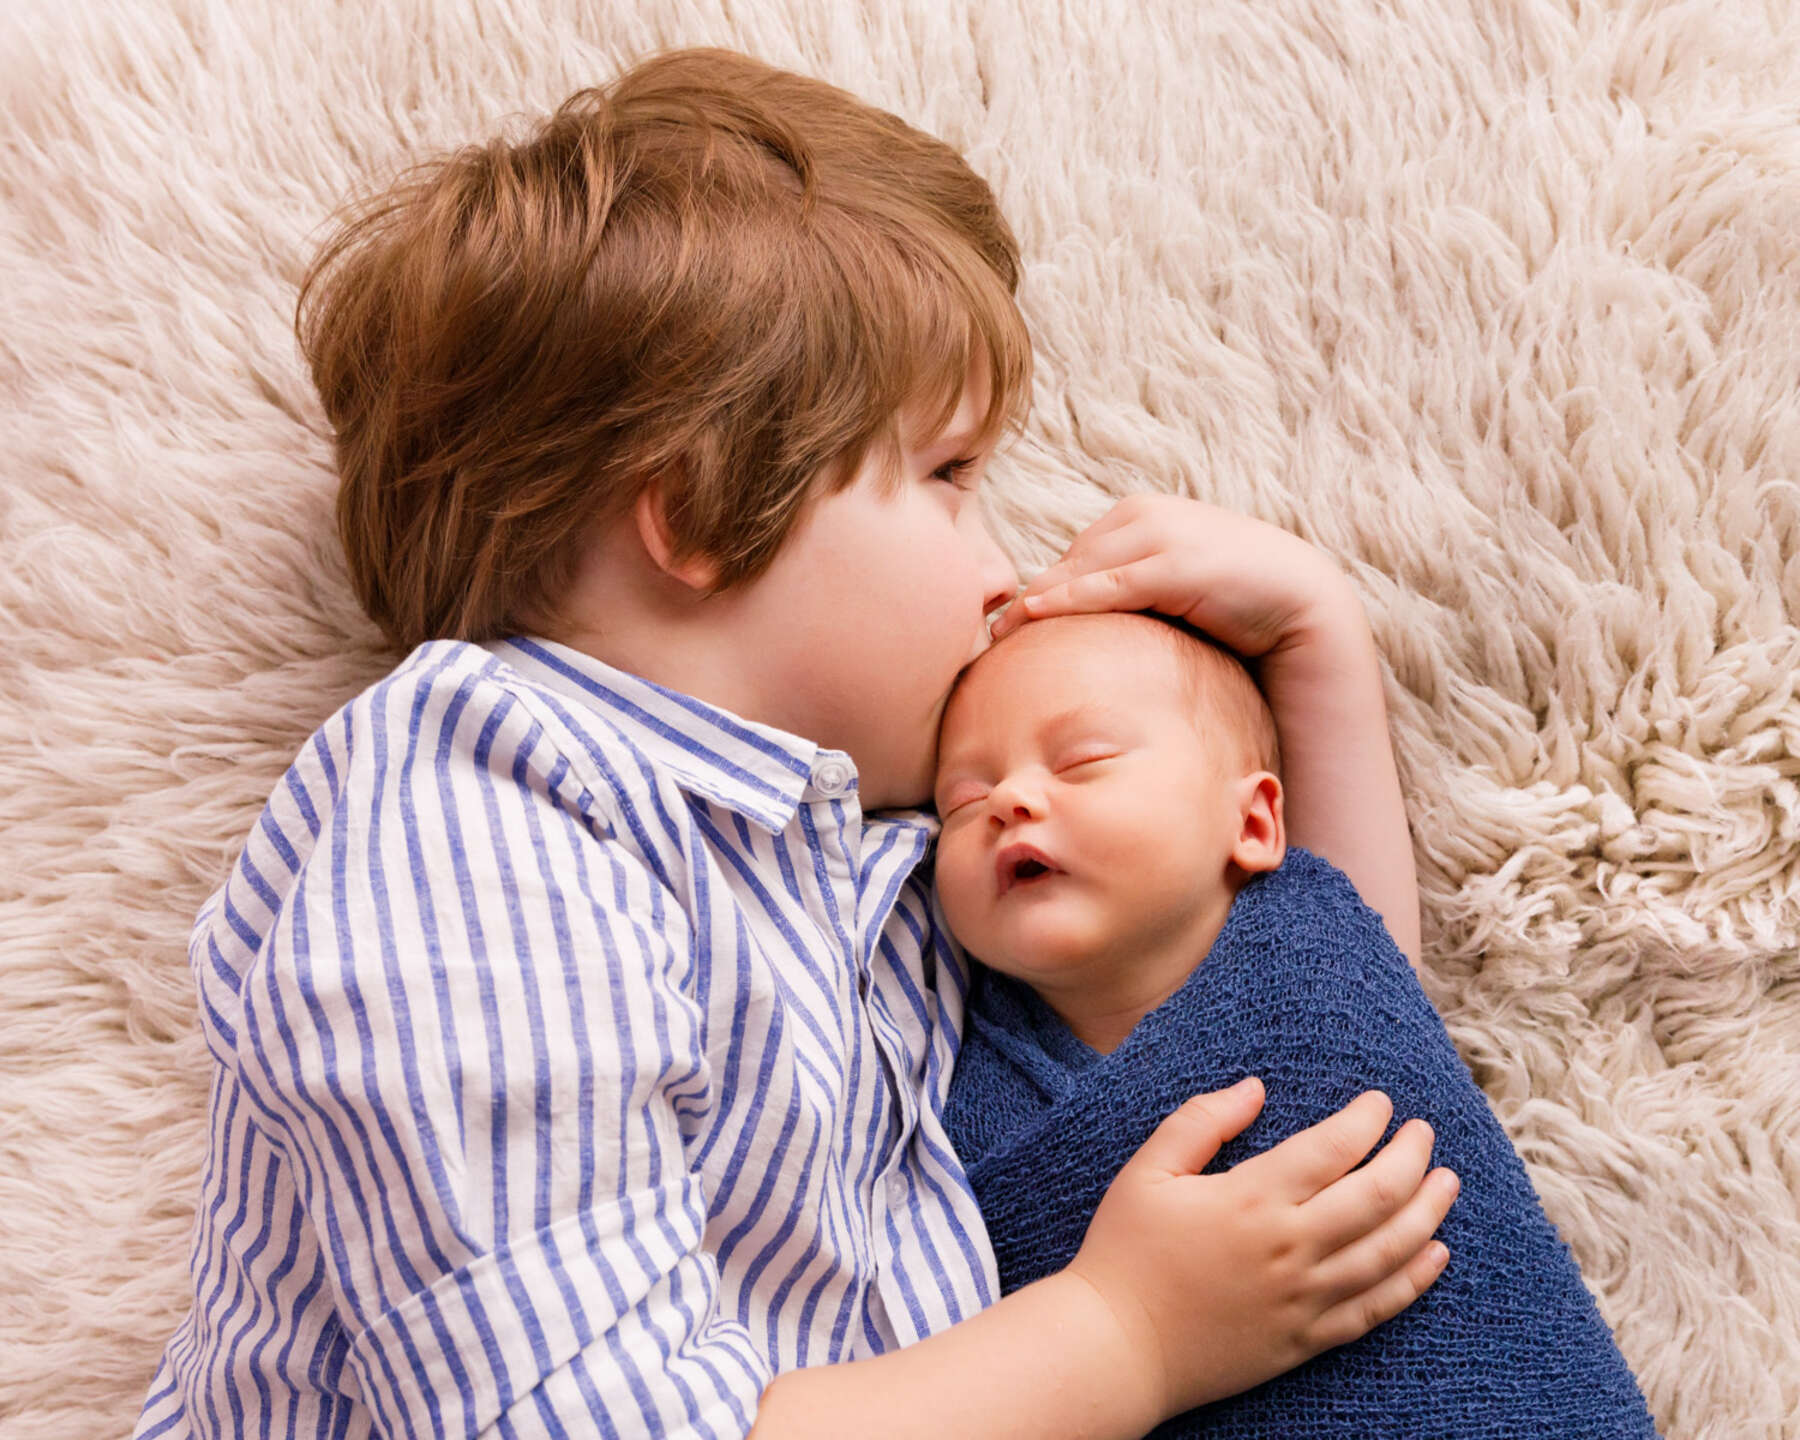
<point>1262,832</point>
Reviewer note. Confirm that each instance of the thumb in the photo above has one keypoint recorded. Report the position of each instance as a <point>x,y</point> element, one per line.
<point>1191,1135</point>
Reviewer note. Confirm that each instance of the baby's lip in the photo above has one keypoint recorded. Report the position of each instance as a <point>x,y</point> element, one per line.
<point>1012,858</point>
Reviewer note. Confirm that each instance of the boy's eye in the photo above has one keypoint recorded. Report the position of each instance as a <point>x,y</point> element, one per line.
<point>956,472</point>
<point>1084,762</point>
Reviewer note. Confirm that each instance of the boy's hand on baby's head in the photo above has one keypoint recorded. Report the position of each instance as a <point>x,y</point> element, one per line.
<point>1245,582</point>
<point>1220,1282</point>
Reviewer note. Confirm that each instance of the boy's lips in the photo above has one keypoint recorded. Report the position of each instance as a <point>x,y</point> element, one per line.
<point>1019,864</point>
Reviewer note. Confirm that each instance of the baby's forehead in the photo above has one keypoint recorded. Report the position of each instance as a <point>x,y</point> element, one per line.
<point>1140,643</point>
<point>1070,658</point>
<point>1120,672</point>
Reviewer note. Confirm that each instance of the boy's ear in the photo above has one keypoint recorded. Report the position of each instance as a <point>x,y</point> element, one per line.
<point>697,572</point>
<point>1262,837</point>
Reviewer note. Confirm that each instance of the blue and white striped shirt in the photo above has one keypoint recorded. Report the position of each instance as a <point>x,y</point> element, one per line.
<point>580,1058</point>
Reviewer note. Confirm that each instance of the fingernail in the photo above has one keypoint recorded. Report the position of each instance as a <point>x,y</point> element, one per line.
<point>1247,1083</point>
<point>1440,1254</point>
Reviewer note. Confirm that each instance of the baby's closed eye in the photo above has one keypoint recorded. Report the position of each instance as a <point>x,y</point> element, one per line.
<point>1084,759</point>
<point>958,794</point>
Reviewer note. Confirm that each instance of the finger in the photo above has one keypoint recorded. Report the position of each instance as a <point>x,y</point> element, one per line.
<point>1105,544</point>
<point>1052,575</point>
<point>1014,613</point>
<point>1365,1199</point>
<point>1008,617</point>
<point>1109,544</point>
<point>1368,1262</point>
<point>1353,1318</point>
<point>1191,1135</point>
<point>1133,586</point>
<point>1117,515</point>
<point>1302,1165</point>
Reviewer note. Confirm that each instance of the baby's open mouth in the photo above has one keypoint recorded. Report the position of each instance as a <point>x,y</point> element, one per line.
<point>1021,864</point>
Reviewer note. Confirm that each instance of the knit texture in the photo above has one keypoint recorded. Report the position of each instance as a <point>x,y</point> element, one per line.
<point>1305,988</point>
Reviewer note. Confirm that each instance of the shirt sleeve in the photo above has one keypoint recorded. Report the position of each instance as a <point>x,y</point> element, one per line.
<point>468,1035</point>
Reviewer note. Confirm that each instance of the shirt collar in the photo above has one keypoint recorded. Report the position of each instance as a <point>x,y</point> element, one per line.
<point>751,769</point>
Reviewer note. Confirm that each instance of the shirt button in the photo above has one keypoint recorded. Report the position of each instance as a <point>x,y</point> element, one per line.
<point>831,778</point>
<point>896,1189</point>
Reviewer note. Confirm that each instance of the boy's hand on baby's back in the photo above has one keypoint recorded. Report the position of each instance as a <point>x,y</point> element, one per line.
<point>1220,1282</point>
<point>1245,582</point>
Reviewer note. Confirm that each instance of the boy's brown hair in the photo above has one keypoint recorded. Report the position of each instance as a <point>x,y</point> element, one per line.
<point>711,274</point>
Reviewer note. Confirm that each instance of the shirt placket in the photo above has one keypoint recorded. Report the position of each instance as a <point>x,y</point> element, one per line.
<point>886,1194</point>
<point>890,1198</point>
<point>838,824</point>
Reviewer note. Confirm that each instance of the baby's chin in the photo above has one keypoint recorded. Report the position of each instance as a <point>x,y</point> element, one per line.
<point>1054,961</point>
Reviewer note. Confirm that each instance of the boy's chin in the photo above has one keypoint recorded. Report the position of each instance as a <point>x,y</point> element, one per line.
<point>904,797</point>
<point>910,792</point>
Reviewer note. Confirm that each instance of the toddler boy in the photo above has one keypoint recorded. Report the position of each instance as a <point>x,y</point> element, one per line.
<point>1113,848</point>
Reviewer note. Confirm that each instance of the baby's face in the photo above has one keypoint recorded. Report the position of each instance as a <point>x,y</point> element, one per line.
<point>1086,819</point>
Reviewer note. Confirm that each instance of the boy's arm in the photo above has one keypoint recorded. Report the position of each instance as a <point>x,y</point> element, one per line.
<point>1279,601</point>
<point>1187,1288</point>
<point>1343,802</point>
<point>1045,1362</point>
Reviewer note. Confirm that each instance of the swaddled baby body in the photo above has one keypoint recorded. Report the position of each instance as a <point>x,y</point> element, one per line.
<point>1113,850</point>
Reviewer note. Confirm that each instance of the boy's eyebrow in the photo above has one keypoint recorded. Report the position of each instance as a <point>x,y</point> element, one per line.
<point>953,440</point>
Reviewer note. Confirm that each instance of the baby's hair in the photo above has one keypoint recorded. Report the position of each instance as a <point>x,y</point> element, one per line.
<point>711,274</point>
<point>1221,688</point>
<point>1217,684</point>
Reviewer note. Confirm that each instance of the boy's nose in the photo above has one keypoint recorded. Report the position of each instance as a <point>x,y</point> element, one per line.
<point>999,577</point>
<point>999,581</point>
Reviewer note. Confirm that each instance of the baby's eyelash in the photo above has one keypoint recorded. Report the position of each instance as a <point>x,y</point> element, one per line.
<point>962,798</point>
<point>1084,761</point>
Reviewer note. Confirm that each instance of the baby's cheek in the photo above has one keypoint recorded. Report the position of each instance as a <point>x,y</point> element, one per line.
<point>956,880</point>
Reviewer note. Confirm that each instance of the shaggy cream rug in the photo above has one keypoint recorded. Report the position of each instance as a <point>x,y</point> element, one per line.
<point>1496,300</point>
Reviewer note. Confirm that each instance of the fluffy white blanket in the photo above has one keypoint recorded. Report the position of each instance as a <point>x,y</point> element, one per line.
<point>1496,300</point>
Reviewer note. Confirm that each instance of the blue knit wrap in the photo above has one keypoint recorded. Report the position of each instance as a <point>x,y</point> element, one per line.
<point>1305,988</point>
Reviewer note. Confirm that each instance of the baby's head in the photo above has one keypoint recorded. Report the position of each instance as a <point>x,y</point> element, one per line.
<point>1106,782</point>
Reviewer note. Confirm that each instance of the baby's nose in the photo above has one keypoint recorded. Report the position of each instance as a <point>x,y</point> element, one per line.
<point>1013,801</point>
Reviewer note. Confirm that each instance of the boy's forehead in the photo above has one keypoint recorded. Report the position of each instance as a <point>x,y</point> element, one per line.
<point>924,422</point>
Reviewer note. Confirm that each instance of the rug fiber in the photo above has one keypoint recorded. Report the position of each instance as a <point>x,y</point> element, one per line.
<point>1498,301</point>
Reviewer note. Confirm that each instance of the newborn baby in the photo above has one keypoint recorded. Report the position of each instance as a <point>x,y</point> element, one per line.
<point>1106,783</point>
<point>1113,851</point>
